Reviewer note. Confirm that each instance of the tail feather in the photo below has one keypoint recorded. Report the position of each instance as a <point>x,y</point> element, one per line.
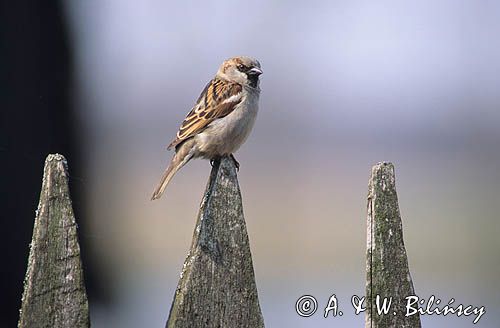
<point>178,161</point>
<point>165,179</point>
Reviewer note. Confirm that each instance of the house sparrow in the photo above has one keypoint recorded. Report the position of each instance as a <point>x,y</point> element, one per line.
<point>221,120</point>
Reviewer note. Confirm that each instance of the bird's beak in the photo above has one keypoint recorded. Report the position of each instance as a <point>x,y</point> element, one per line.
<point>255,71</point>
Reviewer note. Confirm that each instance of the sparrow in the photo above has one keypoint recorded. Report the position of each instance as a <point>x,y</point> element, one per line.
<point>220,121</point>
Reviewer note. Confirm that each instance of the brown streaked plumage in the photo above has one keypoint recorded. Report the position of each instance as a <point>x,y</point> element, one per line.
<point>221,120</point>
<point>208,108</point>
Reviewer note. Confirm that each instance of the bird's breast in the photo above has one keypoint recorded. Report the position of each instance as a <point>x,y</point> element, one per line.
<point>225,135</point>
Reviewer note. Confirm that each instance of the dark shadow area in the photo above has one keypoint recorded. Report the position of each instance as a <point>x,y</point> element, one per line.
<point>36,118</point>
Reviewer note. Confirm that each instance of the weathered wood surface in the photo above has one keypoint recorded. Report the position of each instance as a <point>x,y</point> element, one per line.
<point>217,285</point>
<point>387,269</point>
<point>54,291</point>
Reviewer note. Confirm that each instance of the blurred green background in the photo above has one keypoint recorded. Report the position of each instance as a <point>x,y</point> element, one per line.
<point>346,84</point>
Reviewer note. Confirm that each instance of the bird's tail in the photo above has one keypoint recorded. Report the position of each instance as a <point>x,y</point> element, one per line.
<point>181,157</point>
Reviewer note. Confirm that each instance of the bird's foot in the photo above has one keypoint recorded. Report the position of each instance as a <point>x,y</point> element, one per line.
<point>215,161</point>
<point>236,163</point>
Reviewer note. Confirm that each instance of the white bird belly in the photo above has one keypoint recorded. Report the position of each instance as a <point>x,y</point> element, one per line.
<point>225,135</point>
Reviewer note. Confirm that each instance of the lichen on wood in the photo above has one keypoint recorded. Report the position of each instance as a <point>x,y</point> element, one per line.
<point>54,291</point>
<point>387,272</point>
<point>217,286</point>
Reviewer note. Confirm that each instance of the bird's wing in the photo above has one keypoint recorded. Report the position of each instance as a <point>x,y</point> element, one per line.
<point>218,99</point>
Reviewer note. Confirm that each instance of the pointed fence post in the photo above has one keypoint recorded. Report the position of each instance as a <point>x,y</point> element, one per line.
<point>217,285</point>
<point>387,272</point>
<point>54,291</point>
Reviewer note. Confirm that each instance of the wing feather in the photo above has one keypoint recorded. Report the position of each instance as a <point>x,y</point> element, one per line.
<point>217,100</point>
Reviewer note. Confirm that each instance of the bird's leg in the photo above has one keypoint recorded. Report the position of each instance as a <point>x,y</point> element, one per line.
<point>235,162</point>
<point>215,161</point>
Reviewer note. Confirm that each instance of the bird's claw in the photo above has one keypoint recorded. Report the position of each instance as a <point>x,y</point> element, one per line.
<point>236,163</point>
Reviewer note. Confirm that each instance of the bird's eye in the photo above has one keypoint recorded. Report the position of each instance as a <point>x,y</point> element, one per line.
<point>241,67</point>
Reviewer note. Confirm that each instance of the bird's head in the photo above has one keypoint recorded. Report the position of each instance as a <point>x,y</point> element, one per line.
<point>242,70</point>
